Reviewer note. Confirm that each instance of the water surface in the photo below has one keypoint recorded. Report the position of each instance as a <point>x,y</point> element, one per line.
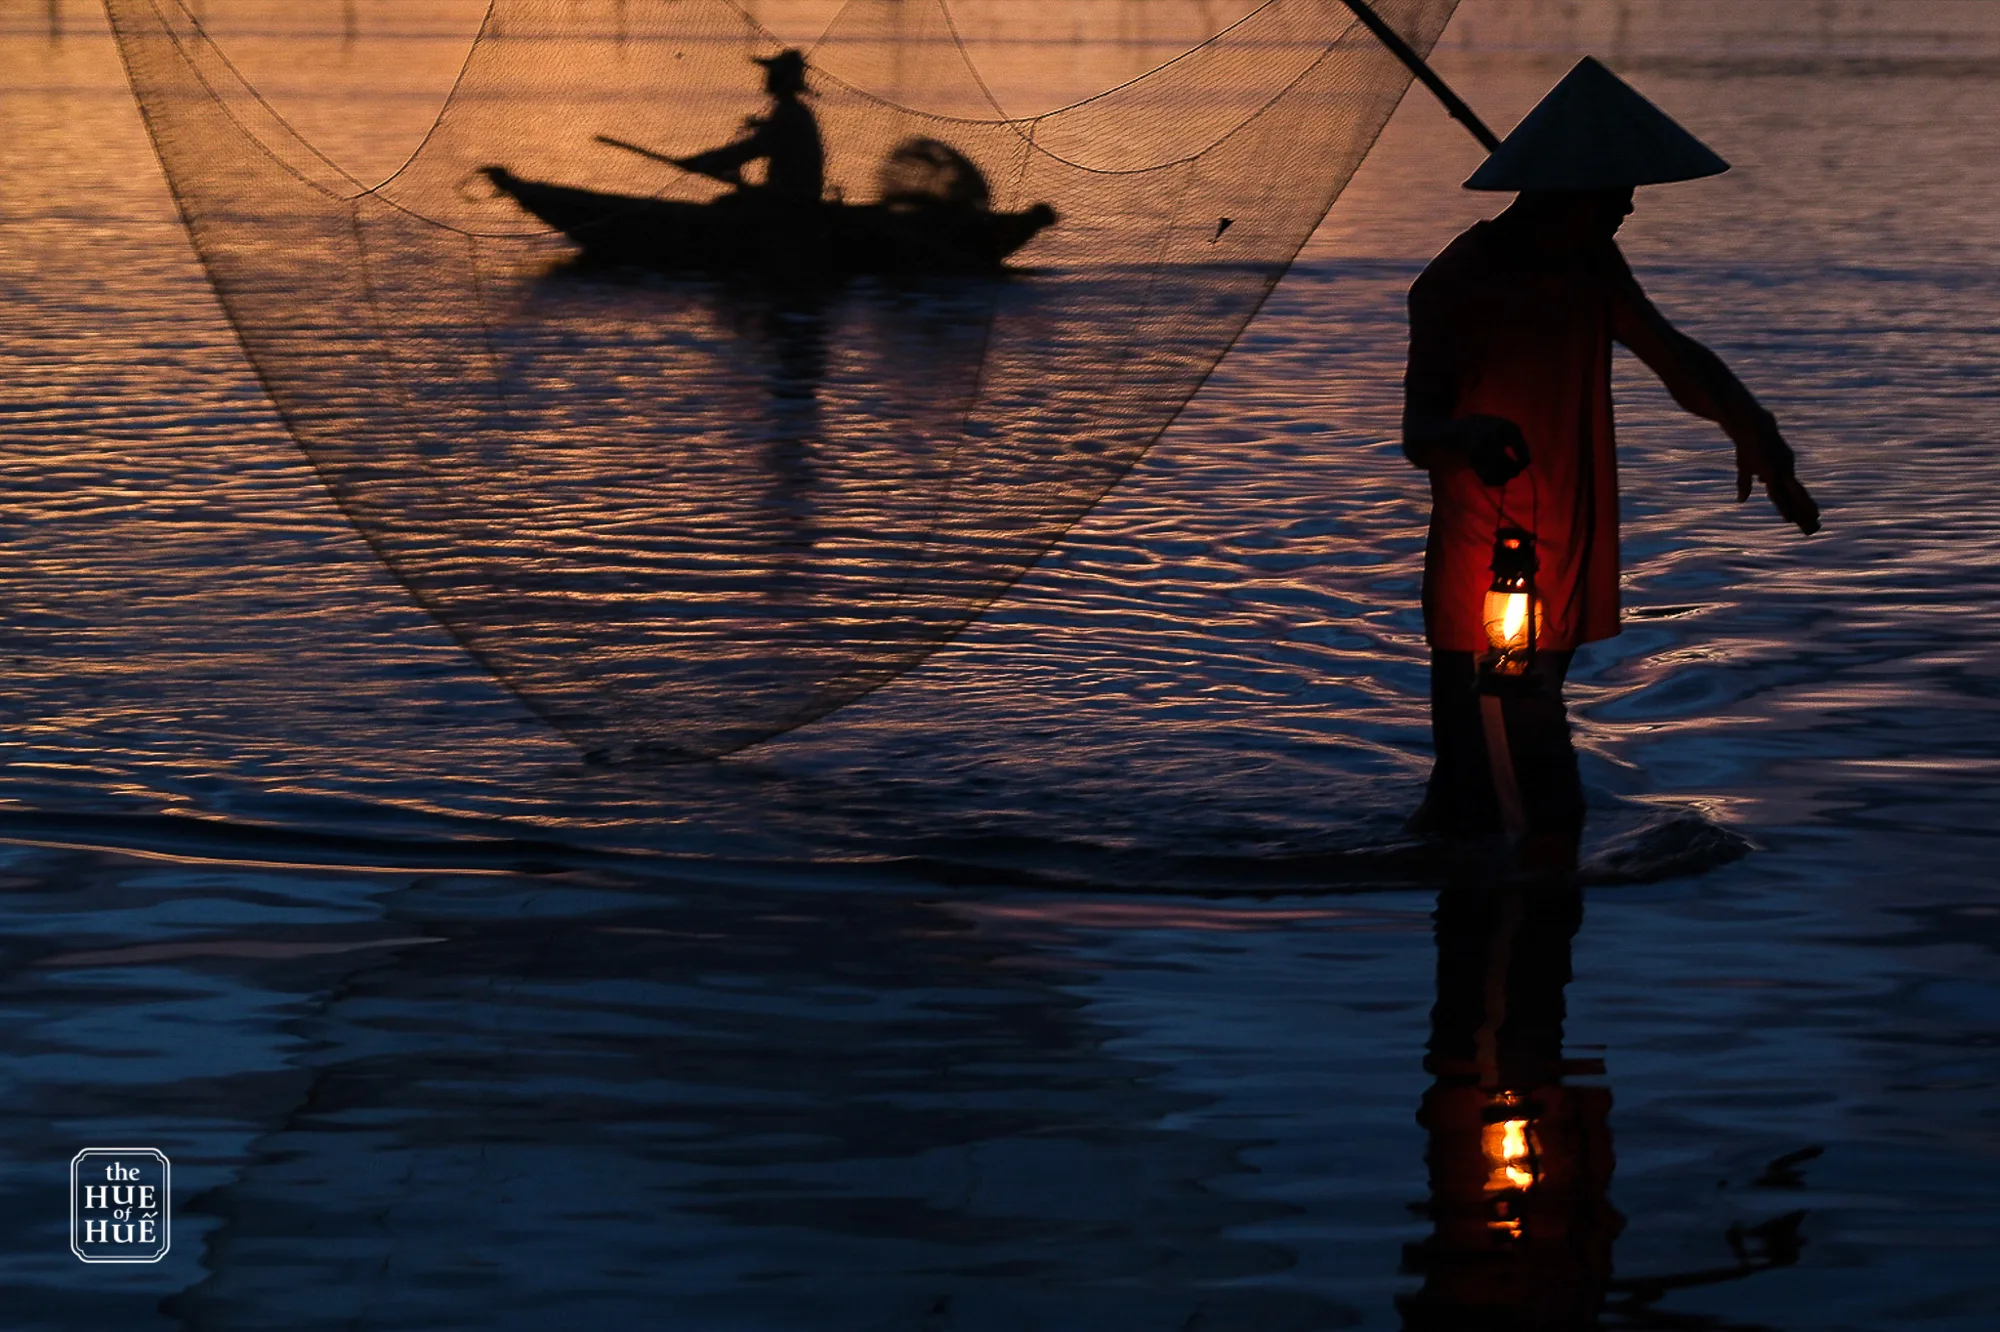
<point>1081,977</point>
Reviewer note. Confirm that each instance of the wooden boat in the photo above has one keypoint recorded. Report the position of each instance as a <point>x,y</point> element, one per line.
<point>745,233</point>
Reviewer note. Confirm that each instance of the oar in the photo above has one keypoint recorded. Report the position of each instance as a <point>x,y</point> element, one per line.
<point>1399,48</point>
<point>635,148</point>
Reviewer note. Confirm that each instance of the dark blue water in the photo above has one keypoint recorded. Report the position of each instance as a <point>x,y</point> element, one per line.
<point>1083,978</point>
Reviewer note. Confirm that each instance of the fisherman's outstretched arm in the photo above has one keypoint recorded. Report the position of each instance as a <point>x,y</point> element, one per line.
<point>727,162</point>
<point>1701,383</point>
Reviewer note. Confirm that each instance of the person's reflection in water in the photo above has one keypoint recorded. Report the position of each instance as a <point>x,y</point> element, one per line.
<point>1522,1224</point>
<point>785,138</point>
<point>1520,1163</point>
<point>790,329</point>
<point>782,335</point>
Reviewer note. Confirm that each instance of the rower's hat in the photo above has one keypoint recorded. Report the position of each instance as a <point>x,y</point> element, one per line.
<point>788,64</point>
<point>1593,132</point>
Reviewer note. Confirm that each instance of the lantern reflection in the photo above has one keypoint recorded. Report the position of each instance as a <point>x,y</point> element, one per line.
<point>1507,1156</point>
<point>1510,1150</point>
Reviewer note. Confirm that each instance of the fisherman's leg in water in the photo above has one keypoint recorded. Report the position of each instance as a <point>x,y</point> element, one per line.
<point>1461,801</point>
<point>1546,769</point>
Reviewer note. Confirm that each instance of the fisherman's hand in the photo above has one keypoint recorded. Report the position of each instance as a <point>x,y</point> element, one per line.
<point>1794,503</point>
<point>1768,458</point>
<point>1494,446</point>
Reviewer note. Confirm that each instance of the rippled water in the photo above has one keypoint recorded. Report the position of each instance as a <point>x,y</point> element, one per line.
<point>890,1024</point>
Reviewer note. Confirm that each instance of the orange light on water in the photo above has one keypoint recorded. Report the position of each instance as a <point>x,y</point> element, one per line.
<point>1509,1156</point>
<point>1509,1148</point>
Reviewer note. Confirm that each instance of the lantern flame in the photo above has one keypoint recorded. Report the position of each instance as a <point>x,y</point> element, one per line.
<point>1511,614</point>
<point>1511,627</point>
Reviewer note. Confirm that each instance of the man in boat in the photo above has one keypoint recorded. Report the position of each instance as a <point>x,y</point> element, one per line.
<point>786,138</point>
<point>1508,407</point>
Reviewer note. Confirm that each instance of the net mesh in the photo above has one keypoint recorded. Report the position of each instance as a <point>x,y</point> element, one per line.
<point>680,506</point>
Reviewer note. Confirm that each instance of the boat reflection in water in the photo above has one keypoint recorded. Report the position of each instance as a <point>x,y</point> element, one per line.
<point>1520,1160</point>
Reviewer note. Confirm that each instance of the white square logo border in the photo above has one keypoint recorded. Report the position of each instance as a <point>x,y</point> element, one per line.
<point>124,1200</point>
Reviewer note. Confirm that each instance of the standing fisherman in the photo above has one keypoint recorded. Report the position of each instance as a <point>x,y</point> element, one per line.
<point>1508,407</point>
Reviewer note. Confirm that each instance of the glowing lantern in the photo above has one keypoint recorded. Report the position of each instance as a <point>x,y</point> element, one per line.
<point>1513,613</point>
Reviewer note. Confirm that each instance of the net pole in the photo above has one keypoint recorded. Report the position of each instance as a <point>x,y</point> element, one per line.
<point>1402,50</point>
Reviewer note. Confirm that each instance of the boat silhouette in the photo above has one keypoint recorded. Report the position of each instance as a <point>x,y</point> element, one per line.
<point>745,232</point>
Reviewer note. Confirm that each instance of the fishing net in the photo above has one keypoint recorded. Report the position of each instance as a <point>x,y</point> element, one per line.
<point>679,498</point>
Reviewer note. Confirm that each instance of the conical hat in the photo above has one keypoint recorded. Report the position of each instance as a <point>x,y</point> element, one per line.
<point>1593,132</point>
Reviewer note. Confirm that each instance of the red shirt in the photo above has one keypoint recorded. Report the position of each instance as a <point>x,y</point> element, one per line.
<point>1497,330</point>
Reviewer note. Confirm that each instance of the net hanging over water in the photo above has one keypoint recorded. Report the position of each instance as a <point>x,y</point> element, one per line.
<point>723,459</point>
